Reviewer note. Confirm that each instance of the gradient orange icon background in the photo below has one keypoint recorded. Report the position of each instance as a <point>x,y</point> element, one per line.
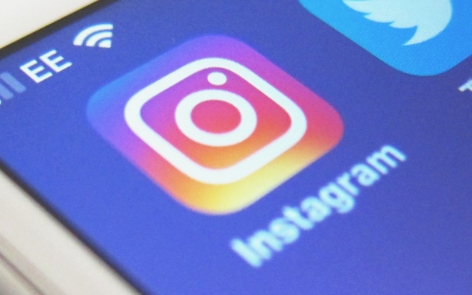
<point>215,124</point>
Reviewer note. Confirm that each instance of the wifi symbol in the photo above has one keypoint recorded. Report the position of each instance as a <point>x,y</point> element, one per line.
<point>98,35</point>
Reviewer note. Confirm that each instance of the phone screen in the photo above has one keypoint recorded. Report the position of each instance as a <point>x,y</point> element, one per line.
<point>254,147</point>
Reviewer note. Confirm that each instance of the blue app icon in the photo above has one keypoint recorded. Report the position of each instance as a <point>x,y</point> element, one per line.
<point>418,37</point>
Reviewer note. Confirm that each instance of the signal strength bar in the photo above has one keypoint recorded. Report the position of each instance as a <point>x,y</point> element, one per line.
<point>15,86</point>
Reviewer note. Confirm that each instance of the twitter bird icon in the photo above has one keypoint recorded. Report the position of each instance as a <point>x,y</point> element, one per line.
<point>418,37</point>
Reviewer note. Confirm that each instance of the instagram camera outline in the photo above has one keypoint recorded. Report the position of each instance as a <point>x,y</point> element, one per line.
<point>182,162</point>
<point>105,112</point>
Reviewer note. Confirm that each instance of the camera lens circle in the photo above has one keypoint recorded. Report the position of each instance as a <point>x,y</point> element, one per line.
<point>183,118</point>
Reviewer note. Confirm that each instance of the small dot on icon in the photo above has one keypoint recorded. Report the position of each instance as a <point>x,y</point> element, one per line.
<point>217,78</point>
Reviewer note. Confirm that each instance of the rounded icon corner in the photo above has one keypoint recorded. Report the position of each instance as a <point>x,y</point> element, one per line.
<point>423,71</point>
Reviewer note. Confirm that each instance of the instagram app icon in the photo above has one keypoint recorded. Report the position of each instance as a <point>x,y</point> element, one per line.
<point>215,124</point>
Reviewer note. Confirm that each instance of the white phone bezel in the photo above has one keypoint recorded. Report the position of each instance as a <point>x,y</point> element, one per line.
<point>46,253</point>
<point>39,255</point>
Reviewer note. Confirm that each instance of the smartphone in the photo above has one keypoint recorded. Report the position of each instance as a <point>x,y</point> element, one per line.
<point>239,147</point>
